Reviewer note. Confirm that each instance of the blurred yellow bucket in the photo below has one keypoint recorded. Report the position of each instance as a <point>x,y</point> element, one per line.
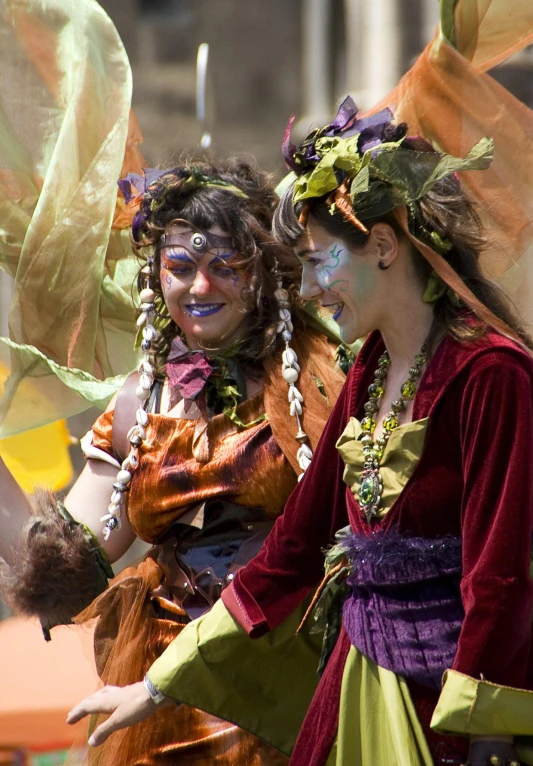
<point>40,457</point>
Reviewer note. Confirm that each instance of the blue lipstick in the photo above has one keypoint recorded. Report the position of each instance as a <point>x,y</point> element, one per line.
<point>204,309</point>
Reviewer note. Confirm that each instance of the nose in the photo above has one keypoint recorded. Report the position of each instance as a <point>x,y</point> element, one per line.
<point>201,285</point>
<point>309,287</point>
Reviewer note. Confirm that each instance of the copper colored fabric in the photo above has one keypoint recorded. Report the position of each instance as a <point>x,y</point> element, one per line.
<point>246,468</point>
<point>448,98</point>
<point>128,638</point>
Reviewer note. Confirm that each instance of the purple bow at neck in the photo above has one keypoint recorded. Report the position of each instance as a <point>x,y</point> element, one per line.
<point>187,372</point>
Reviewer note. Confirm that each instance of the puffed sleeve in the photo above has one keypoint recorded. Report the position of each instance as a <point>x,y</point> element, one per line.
<point>496,431</point>
<point>97,444</point>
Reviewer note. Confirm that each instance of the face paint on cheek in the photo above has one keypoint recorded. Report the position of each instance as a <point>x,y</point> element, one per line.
<point>339,285</point>
<point>166,280</point>
<point>327,269</point>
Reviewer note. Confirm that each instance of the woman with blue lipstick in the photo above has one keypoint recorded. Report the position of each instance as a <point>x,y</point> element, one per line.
<point>196,455</point>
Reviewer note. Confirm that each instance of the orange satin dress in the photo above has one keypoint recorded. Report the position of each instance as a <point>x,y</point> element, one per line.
<point>245,467</point>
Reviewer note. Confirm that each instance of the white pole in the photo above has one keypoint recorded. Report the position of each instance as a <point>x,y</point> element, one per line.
<point>353,20</point>
<point>379,49</point>
<point>430,19</point>
<point>316,95</point>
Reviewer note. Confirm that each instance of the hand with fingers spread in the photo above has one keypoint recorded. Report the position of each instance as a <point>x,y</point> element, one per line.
<point>126,705</point>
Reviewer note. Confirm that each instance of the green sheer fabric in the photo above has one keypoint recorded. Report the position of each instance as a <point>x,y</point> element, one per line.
<point>65,92</point>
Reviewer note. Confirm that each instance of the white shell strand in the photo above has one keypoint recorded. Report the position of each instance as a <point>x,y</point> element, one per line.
<point>290,371</point>
<point>137,433</point>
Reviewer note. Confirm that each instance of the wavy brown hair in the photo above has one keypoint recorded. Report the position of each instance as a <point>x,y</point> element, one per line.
<point>444,210</point>
<point>247,219</point>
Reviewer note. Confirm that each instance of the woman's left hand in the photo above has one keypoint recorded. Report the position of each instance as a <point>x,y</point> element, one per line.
<point>126,704</point>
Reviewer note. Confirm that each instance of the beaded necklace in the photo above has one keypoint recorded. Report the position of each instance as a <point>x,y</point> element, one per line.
<point>371,488</point>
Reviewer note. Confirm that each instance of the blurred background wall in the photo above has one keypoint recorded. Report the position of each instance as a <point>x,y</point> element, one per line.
<point>269,60</point>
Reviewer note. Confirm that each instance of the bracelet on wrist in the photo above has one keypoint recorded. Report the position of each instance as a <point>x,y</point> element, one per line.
<point>153,691</point>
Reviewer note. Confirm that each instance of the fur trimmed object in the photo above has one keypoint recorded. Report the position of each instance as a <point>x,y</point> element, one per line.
<point>58,571</point>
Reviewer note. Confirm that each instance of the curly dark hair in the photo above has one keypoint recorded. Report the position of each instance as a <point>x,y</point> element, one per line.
<point>445,210</point>
<point>177,194</point>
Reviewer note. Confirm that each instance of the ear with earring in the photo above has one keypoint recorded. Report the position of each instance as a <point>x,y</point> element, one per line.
<point>381,264</point>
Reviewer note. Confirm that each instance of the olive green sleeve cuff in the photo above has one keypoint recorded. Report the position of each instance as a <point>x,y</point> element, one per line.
<point>263,685</point>
<point>470,706</point>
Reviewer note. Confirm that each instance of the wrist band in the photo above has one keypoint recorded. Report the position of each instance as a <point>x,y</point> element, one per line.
<point>155,694</point>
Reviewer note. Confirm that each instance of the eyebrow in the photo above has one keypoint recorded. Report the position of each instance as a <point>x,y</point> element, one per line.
<point>177,256</point>
<point>224,256</point>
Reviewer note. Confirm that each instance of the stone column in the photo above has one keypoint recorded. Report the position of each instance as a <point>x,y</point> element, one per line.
<point>379,50</point>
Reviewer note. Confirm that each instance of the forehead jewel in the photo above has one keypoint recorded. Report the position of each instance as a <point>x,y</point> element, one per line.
<point>197,240</point>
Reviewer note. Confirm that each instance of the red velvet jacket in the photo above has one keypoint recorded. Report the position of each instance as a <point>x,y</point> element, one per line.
<point>474,479</point>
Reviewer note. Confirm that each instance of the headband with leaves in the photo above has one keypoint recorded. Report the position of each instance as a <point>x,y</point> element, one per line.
<point>367,166</point>
<point>148,191</point>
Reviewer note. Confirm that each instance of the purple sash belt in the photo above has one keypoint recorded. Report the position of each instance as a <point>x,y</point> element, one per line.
<point>404,609</point>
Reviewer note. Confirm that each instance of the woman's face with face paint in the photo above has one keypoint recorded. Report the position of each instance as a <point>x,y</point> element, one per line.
<point>203,288</point>
<point>346,282</point>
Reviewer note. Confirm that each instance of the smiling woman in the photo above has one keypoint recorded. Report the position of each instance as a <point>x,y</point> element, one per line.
<point>203,282</point>
<point>206,445</point>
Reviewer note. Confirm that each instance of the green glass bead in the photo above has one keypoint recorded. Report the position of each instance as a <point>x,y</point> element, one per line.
<point>368,424</point>
<point>375,390</point>
<point>420,359</point>
<point>408,390</point>
<point>390,422</point>
<point>369,489</point>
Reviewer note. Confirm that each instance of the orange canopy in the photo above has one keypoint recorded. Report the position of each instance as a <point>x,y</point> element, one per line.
<point>40,682</point>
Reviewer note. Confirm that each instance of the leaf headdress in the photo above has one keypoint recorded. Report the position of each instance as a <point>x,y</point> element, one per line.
<point>365,166</point>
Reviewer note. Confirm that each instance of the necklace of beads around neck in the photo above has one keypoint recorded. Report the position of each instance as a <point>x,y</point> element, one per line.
<point>371,488</point>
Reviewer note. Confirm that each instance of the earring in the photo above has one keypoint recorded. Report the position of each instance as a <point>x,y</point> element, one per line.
<point>137,433</point>
<point>383,266</point>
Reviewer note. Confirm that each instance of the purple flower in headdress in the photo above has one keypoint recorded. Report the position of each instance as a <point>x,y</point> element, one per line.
<point>134,188</point>
<point>371,130</point>
<point>135,184</point>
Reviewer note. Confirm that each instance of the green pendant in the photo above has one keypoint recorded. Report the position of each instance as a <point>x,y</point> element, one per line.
<point>370,491</point>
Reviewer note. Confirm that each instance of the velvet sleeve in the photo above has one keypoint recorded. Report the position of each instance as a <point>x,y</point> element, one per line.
<point>496,433</point>
<point>291,561</point>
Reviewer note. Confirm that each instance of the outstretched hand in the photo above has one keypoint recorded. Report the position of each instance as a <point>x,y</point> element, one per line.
<point>125,704</point>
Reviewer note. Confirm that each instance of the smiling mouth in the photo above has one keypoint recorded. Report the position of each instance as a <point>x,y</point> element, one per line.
<point>335,308</point>
<point>204,309</point>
